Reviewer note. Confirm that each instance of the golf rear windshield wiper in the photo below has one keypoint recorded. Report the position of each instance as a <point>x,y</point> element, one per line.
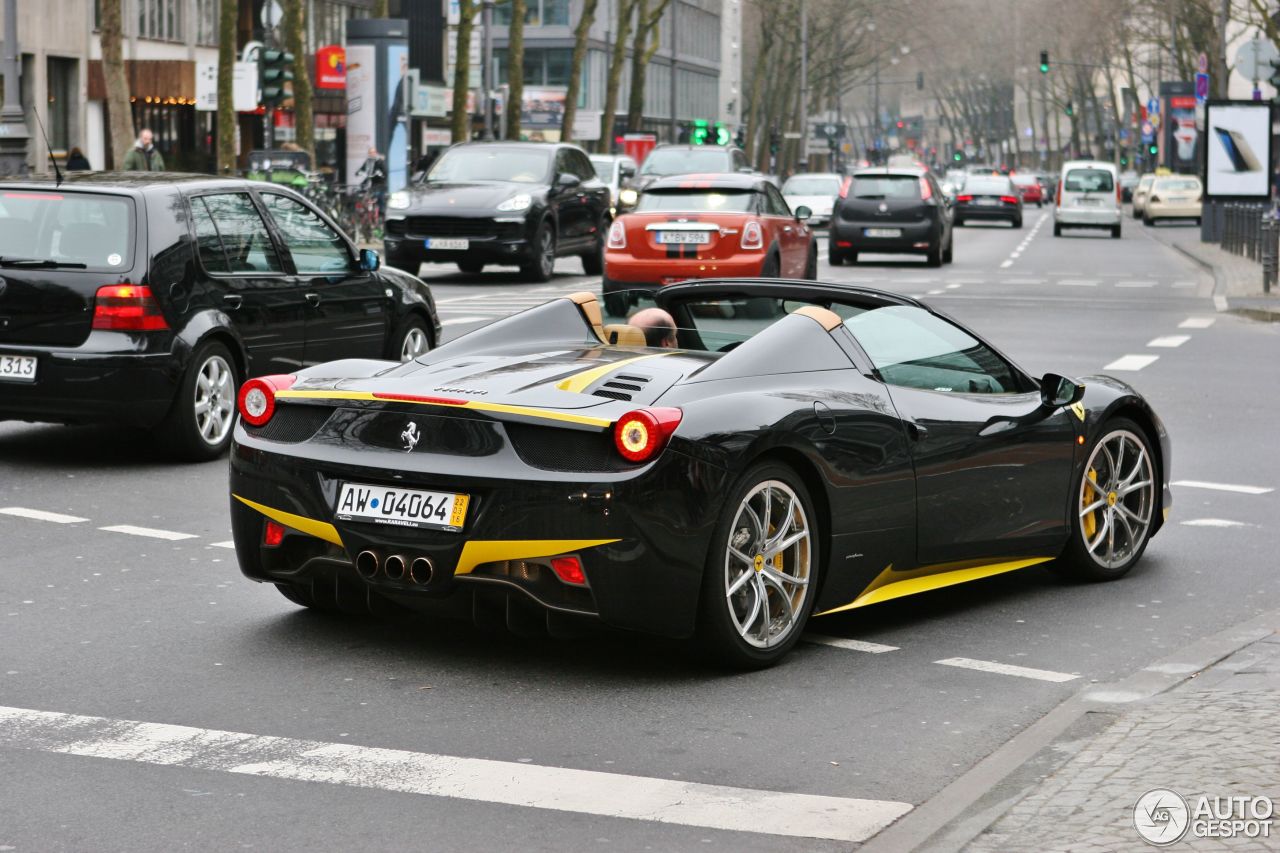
<point>36,263</point>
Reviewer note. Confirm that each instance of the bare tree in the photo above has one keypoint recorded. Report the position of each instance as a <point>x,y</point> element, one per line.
<point>226,83</point>
<point>643,47</point>
<point>118,109</point>
<point>461,119</point>
<point>515,67</point>
<point>380,9</point>
<point>580,33</point>
<point>295,29</point>
<point>613,80</point>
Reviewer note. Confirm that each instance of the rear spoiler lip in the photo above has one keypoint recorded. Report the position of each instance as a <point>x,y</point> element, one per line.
<point>503,411</point>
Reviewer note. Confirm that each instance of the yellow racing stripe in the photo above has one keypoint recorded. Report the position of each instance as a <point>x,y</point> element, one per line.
<point>889,584</point>
<point>579,381</point>
<point>310,526</point>
<point>473,405</point>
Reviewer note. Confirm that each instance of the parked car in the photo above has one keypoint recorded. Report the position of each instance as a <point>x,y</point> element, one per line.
<point>1028,188</point>
<point>900,211</point>
<point>1140,194</point>
<point>1088,197</point>
<point>1173,197</point>
<point>814,190</point>
<point>988,197</point>
<point>1128,181</point>
<point>520,203</point>
<point>146,299</point>
<point>706,226</point>
<point>617,171</point>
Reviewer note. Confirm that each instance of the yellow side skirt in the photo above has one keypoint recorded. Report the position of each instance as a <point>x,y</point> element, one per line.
<point>885,587</point>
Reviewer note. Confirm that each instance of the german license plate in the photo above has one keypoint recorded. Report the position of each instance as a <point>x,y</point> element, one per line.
<point>696,237</point>
<point>17,368</point>
<point>447,244</point>
<point>986,201</point>
<point>1090,201</point>
<point>882,232</point>
<point>401,507</point>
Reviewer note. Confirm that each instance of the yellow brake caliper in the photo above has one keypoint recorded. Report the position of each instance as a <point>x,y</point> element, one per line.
<point>1090,521</point>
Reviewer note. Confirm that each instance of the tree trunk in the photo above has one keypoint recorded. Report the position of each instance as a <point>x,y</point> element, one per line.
<point>614,80</point>
<point>118,109</point>
<point>580,34</point>
<point>643,47</point>
<point>461,119</point>
<point>515,67</point>
<point>379,10</point>
<point>295,30</point>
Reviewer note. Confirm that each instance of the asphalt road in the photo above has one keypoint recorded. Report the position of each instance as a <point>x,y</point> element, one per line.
<point>280,729</point>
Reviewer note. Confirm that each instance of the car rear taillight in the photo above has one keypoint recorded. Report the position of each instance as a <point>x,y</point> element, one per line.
<point>1119,193</point>
<point>272,534</point>
<point>569,570</point>
<point>257,399</point>
<point>964,198</point>
<point>1009,199</point>
<point>617,236</point>
<point>844,187</point>
<point>640,435</point>
<point>925,192</point>
<point>752,236</point>
<point>127,308</point>
<point>1057,197</point>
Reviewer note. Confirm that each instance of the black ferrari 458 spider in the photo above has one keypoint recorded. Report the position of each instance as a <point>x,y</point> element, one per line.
<point>803,448</point>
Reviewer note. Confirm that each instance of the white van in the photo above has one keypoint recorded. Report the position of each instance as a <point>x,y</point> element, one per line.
<point>1088,197</point>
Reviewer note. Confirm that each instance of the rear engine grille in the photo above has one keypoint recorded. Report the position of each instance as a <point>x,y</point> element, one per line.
<point>623,386</point>
<point>553,449</point>
<point>292,423</point>
<point>445,226</point>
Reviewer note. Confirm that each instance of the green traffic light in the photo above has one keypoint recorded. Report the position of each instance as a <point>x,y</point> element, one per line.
<point>957,157</point>
<point>1153,149</point>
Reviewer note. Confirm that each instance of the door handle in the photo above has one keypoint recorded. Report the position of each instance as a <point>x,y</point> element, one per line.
<point>313,299</point>
<point>917,432</point>
<point>232,301</point>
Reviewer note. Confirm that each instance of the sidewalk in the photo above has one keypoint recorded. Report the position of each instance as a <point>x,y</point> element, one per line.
<point>1238,280</point>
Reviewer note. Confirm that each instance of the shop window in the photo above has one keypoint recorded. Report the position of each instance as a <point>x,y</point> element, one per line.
<point>160,19</point>
<point>62,100</point>
<point>538,13</point>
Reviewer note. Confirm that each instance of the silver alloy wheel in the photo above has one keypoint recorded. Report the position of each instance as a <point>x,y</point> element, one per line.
<point>767,564</point>
<point>215,401</point>
<point>1117,499</point>
<point>547,253</point>
<point>415,343</point>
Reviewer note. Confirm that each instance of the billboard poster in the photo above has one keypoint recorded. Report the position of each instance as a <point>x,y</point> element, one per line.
<point>542,108</point>
<point>395,109</point>
<point>1237,149</point>
<point>362,119</point>
<point>1182,142</point>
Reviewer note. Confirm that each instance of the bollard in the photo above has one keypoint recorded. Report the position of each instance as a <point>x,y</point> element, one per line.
<point>1271,253</point>
<point>1229,235</point>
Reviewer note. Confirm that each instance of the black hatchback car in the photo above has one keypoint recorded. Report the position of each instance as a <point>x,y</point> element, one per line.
<point>888,210</point>
<point>521,203</point>
<point>145,300</point>
<point>989,198</point>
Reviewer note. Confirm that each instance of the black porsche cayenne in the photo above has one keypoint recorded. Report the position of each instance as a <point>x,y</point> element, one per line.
<point>146,300</point>
<point>510,203</point>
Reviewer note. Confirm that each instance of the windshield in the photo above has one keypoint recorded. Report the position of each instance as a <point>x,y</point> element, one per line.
<point>679,161</point>
<point>70,228</point>
<point>988,186</point>
<point>604,167</point>
<point>492,163</point>
<point>885,186</point>
<point>1089,181</point>
<point>811,186</point>
<point>697,201</point>
<point>1178,185</point>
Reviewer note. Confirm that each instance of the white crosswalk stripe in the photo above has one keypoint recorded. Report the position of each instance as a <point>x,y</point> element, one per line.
<point>1132,362</point>
<point>852,645</point>
<point>1008,669</point>
<point>148,532</point>
<point>41,515</point>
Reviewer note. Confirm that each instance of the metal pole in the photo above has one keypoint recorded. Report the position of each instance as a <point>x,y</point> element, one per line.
<point>675,37</point>
<point>269,116</point>
<point>804,87</point>
<point>13,123</point>
<point>486,66</point>
<point>875,139</point>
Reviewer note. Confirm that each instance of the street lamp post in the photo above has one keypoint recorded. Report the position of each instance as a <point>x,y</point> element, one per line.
<point>486,68</point>
<point>13,124</point>
<point>804,87</point>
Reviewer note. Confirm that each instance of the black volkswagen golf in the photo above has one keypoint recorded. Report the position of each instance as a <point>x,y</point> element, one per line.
<point>514,203</point>
<point>146,300</point>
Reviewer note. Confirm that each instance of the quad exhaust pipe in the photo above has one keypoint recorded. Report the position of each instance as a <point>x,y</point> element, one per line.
<point>418,571</point>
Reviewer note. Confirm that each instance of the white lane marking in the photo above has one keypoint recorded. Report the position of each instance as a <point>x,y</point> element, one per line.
<point>1078,282</point>
<point>1184,284</point>
<point>1135,284</point>
<point>454,321</point>
<point>952,286</point>
<point>935,292</point>
<point>1008,669</point>
<point>507,782</point>
<point>1197,323</point>
<point>1006,264</point>
<point>1223,487</point>
<point>852,645</point>
<point>1169,341</point>
<point>227,544</point>
<point>1024,281</point>
<point>148,532</point>
<point>41,515</point>
<point>1219,302</point>
<point>1213,522</point>
<point>1131,362</point>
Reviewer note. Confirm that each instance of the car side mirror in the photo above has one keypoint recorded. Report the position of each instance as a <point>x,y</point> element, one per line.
<point>567,180</point>
<point>627,172</point>
<point>1058,391</point>
<point>369,260</point>
<point>803,213</point>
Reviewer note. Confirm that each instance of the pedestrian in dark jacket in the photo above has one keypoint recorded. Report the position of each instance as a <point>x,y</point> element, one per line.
<point>143,156</point>
<point>77,162</point>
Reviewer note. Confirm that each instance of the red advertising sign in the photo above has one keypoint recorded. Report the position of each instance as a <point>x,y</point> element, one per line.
<point>1182,102</point>
<point>331,67</point>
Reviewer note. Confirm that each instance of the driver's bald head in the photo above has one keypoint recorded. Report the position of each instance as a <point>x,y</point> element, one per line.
<point>659,327</point>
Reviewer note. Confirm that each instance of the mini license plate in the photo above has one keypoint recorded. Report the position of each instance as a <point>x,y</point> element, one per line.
<point>447,243</point>
<point>882,232</point>
<point>17,368</point>
<point>401,507</point>
<point>698,237</point>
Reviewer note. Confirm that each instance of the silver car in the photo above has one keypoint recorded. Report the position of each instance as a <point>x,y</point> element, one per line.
<point>1089,197</point>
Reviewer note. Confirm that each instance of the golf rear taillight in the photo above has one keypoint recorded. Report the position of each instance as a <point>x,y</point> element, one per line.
<point>640,435</point>
<point>127,308</point>
<point>964,198</point>
<point>257,399</point>
<point>1009,199</point>
<point>273,534</point>
<point>569,570</point>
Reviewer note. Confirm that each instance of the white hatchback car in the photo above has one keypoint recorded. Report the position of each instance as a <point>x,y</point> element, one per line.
<point>1088,197</point>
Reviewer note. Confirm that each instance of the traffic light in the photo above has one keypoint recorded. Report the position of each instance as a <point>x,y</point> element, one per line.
<point>1153,149</point>
<point>1044,62</point>
<point>919,80</point>
<point>1071,110</point>
<point>774,139</point>
<point>957,156</point>
<point>698,134</point>
<point>276,76</point>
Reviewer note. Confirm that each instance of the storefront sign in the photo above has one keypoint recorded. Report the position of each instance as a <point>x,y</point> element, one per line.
<point>244,87</point>
<point>207,86</point>
<point>331,67</point>
<point>434,137</point>
<point>432,101</point>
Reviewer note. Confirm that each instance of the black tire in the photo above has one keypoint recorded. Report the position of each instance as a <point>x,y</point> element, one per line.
<point>811,266</point>
<point>934,256</point>
<point>542,267</point>
<point>187,434</point>
<point>411,331</point>
<point>1076,560</point>
<point>616,304</point>
<point>717,632</point>
<point>1017,223</point>
<point>1137,214</point>
<point>771,267</point>
<point>1197,220</point>
<point>593,261</point>
<point>471,267</point>
<point>1057,230</point>
<point>1147,220</point>
<point>835,257</point>
<point>1115,232</point>
<point>957,222</point>
<point>948,254</point>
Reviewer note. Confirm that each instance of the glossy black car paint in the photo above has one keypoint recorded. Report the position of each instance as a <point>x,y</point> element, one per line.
<point>268,322</point>
<point>992,481</point>
<point>924,224</point>
<point>979,200</point>
<point>577,210</point>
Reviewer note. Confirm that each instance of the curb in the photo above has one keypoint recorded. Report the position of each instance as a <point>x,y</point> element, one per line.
<point>1221,302</point>
<point>946,820</point>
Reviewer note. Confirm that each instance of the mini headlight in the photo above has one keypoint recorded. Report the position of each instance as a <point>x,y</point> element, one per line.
<point>628,197</point>
<point>398,200</point>
<point>517,202</point>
